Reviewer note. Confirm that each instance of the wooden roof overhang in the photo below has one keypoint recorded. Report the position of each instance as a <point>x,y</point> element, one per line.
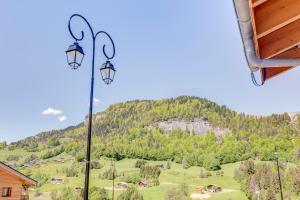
<point>276,27</point>
<point>25,180</point>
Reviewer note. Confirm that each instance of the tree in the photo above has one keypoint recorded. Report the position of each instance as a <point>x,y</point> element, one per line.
<point>140,163</point>
<point>67,194</point>
<point>168,165</point>
<point>178,193</point>
<point>212,163</point>
<point>185,163</point>
<point>131,193</point>
<point>3,145</point>
<point>96,193</point>
<point>53,142</point>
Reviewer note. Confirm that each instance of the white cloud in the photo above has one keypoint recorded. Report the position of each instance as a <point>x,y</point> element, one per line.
<point>62,118</point>
<point>51,111</point>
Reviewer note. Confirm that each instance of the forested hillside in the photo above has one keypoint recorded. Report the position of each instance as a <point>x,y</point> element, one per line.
<point>123,131</point>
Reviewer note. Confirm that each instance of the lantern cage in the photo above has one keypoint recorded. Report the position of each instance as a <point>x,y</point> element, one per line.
<point>75,55</point>
<point>107,71</point>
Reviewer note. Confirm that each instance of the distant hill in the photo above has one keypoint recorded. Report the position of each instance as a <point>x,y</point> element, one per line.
<point>185,127</point>
<point>184,110</point>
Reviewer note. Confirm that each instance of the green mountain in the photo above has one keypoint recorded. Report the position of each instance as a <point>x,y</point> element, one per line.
<point>184,131</point>
<point>151,129</point>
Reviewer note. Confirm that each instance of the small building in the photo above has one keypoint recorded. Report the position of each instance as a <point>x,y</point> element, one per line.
<point>121,185</point>
<point>14,185</point>
<point>213,188</point>
<point>199,190</point>
<point>56,180</point>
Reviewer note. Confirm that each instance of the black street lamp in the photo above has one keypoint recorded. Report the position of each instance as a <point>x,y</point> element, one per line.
<point>278,172</point>
<point>75,56</point>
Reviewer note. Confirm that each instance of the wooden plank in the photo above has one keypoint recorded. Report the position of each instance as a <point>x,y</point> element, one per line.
<point>272,72</point>
<point>275,71</point>
<point>280,41</point>
<point>292,53</point>
<point>275,14</point>
<point>256,3</point>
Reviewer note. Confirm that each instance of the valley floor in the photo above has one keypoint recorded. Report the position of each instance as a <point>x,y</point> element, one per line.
<point>168,180</point>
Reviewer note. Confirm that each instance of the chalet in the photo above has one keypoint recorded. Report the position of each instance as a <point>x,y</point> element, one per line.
<point>13,184</point>
<point>213,188</point>
<point>121,185</point>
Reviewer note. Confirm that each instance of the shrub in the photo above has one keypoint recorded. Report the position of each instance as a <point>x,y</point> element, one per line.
<point>168,165</point>
<point>185,163</point>
<point>80,157</point>
<point>110,174</point>
<point>68,194</point>
<point>3,145</point>
<point>150,172</point>
<point>96,165</point>
<point>140,163</point>
<point>130,193</point>
<point>132,178</point>
<point>220,173</point>
<point>180,192</point>
<point>31,159</point>
<point>96,193</point>
<point>32,147</point>
<point>41,178</point>
<point>53,142</point>
<point>13,158</point>
<point>204,174</point>
<point>55,152</point>
<point>212,163</point>
<point>71,172</point>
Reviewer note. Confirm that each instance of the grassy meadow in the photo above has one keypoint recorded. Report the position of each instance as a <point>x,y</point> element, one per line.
<point>169,178</point>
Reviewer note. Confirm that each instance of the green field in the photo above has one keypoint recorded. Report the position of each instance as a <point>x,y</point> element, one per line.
<point>169,178</point>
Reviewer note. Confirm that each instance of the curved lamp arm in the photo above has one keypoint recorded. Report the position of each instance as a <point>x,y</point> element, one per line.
<point>103,48</point>
<point>93,35</point>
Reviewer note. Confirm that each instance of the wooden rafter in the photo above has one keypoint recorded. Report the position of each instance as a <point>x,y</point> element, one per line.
<point>275,14</point>
<point>256,3</point>
<point>279,41</point>
<point>276,31</point>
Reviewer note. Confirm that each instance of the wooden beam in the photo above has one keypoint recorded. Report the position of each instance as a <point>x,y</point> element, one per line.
<point>275,14</point>
<point>280,40</point>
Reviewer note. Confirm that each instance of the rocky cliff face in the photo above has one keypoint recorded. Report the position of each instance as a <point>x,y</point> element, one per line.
<point>197,126</point>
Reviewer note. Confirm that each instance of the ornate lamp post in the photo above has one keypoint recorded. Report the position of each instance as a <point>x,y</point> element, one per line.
<point>75,56</point>
<point>278,172</point>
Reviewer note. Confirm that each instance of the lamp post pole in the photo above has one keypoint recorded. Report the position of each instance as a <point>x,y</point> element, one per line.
<point>278,172</point>
<point>107,78</point>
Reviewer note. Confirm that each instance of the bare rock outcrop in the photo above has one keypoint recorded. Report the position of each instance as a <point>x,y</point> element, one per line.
<point>197,126</point>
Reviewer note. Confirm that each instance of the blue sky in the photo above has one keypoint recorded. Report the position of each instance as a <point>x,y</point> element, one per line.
<point>164,49</point>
